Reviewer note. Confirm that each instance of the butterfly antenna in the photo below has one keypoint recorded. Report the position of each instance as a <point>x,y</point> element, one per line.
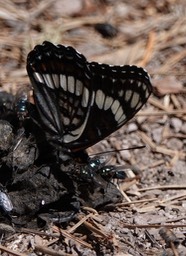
<point>116,150</point>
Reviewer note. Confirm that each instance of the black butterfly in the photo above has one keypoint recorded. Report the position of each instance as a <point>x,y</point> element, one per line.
<point>81,102</point>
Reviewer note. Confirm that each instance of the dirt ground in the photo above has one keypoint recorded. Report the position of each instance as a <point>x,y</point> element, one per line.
<point>151,219</point>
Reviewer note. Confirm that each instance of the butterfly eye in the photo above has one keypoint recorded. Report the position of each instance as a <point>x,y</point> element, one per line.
<point>81,102</point>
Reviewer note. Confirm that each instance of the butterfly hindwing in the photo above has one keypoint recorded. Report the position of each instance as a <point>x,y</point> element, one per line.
<point>82,102</point>
<point>120,91</point>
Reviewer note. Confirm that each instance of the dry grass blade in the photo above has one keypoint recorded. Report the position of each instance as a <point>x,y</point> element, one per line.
<point>162,113</point>
<point>95,230</point>
<point>137,202</point>
<point>124,55</point>
<point>48,251</point>
<point>149,49</point>
<point>160,149</point>
<point>183,186</point>
<point>173,60</point>
<point>10,252</point>
<point>133,226</point>
<point>70,236</point>
<point>43,5</point>
<point>81,221</point>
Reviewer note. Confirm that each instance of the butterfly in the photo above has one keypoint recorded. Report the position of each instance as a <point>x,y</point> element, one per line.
<point>80,102</point>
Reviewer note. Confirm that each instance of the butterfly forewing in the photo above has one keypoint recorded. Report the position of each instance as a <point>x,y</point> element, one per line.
<point>80,103</point>
<point>62,90</point>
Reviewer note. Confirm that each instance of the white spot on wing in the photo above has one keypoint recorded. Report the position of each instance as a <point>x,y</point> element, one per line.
<point>99,98</point>
<point>120,93</point>
<point>147,94</point>
<point>48,81</point>
<point>139,84</point>
<point>138,106</point>
<point>79,87</point>
<point>128,95</point>
<point>93,97</point>
<point>67,138</point>
<point>115,106</point>
<point>108,102</point>
<point>134,100</point>
<point>66,121</point>
<point>55,78</point>
<point>131,81</point>
<point>71,84</point>
<point>122,119</point>
<point>38,77</point>
<point>113,70</point>
<point>75,121</point>
<point>80,112</point>
<point>63,82</point>
<point>119,113</point>
<point>85,97</point>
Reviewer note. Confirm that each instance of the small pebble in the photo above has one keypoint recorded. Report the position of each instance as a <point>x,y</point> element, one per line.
<point>157,134</point>
<point>175,144</point>
<point>132,127</point>
<point>126,155</point>
<point>176,123</point>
